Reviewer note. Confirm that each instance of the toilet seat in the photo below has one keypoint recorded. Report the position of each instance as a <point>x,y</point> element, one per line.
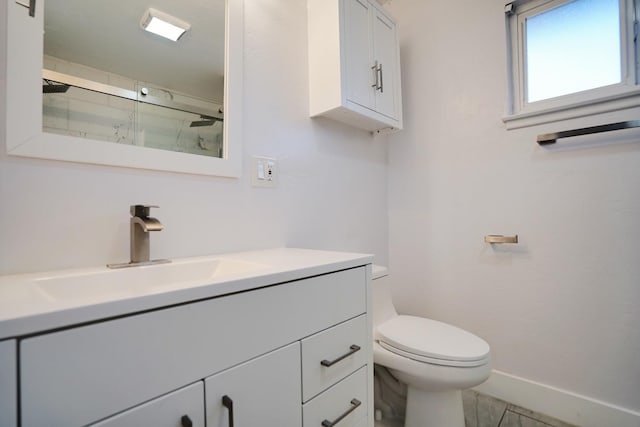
<point>434,342</point>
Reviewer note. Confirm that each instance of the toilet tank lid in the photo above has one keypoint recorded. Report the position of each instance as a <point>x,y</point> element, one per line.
<point>379,271</point>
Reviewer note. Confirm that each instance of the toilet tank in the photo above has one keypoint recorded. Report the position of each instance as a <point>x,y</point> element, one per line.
<point>383,308</point>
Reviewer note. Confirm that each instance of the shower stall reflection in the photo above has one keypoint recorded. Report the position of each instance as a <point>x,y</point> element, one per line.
<point>143,115</point>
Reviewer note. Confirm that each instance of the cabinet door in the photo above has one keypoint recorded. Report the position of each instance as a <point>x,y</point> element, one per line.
<point>8,384</point>
<point>182,408</point>
<point>359,56</point>
<point>261,392</point>
<point>385,53</point>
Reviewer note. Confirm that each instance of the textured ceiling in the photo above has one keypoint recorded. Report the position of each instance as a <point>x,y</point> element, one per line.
<point>106,34</point>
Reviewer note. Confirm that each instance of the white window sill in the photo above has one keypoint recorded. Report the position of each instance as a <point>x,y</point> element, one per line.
<point>616,102</point>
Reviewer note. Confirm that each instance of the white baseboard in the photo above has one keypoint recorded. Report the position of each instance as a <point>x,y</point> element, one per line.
<point>561,404</point>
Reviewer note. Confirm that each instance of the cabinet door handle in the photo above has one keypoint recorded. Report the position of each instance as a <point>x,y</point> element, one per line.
<point>228,403</point>
<point>185,421</point>
<point>381,81</point>
<point>375,73</point>
<point>31,6</point>
<point>354,404</point>
<point>354,348</point>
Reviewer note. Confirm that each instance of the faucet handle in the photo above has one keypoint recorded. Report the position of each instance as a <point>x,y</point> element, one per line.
<point>141,211</point>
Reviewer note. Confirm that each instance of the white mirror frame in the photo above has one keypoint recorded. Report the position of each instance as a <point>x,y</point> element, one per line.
<point>24,135</point>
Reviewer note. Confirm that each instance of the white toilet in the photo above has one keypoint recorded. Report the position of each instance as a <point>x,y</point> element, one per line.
<point>436,361</point>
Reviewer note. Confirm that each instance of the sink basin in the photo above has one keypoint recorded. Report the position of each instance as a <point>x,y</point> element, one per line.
<point>133,281</point>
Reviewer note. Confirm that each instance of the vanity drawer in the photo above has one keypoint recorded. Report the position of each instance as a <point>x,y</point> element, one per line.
<point>103,368</point>
<point>346,399</point>
<point>331,355</point>
<point>166,411</point>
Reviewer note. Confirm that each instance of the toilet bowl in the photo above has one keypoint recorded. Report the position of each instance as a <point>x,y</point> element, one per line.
<point>435,360</point>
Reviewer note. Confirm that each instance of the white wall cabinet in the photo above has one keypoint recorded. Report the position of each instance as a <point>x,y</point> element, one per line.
<point>155,367</point>
<point>354,64</point>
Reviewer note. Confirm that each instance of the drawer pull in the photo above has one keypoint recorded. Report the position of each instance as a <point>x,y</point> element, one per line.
<point>228,403</point>
<point>354,405</point>
<point>354,348</point>
<point>185,421</point>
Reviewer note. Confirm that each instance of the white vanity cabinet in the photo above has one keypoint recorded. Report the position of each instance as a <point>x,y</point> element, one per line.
<point>8,386</point>
<point>354,64</point>
<point>254,346</point>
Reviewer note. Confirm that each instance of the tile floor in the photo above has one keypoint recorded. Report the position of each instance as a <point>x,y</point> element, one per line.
<point>484,411</point>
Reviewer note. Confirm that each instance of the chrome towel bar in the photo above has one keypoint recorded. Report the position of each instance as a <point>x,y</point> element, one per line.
<point>498,238</point>
<point>551,138</point>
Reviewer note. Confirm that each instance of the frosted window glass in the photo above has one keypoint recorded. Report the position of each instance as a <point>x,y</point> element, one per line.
<point>573,47</point>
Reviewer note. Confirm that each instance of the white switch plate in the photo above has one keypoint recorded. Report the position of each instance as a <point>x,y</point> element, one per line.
<point>264,172</point>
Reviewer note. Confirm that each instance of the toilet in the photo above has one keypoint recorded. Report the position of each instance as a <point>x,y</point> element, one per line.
<point>435,360</point>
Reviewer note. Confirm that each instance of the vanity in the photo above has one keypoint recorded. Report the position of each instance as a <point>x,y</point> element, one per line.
<point>278,337</point>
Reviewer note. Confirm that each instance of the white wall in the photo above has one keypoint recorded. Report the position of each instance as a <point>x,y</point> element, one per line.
<point>562,307</point>
<point>332,191</point>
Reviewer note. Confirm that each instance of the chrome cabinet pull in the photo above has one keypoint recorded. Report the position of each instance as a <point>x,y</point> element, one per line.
<point>31,6</point>
<point>354,348</point>
<point>377,69</point>
<point>354,405</point>
<point>185,421</point>
<point>228,403</point>
<point>375,72</point>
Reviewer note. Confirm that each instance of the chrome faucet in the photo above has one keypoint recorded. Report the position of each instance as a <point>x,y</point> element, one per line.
<point>140,225</point>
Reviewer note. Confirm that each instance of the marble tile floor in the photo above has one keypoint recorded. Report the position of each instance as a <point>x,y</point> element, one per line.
<point>389,423</point>
<point>485,411</point>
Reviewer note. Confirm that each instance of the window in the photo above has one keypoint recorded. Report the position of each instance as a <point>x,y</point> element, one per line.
<point>566,55</point>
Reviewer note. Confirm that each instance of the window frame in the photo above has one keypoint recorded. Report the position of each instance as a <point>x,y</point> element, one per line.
<point>625,94</point>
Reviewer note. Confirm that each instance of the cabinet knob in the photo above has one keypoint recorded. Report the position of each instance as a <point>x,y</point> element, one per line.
<point>185,421</point>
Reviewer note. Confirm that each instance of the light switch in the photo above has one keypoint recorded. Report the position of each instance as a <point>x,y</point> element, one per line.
<point>264,172</point>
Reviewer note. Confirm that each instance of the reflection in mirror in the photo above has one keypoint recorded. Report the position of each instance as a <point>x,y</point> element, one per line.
<point>107,79</point>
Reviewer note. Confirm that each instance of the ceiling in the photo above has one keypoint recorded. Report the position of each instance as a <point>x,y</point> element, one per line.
<point>106,34</point>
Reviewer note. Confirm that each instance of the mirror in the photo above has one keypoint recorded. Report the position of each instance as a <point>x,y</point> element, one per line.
<point>132,86</point>
<point>109,92</point>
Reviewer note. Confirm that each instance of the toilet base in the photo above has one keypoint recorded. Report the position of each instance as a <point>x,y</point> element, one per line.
<point>434,408</point>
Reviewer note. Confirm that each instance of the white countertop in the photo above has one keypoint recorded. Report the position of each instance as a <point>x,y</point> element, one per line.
<point>26,306</point>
